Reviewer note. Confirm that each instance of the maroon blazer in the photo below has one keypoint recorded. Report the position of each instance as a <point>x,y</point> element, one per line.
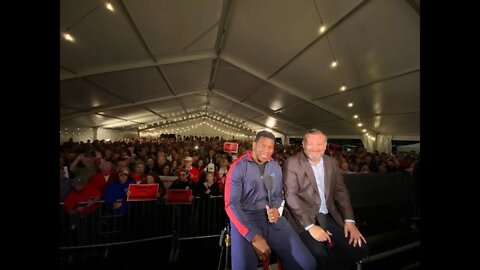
<point>302,196</point>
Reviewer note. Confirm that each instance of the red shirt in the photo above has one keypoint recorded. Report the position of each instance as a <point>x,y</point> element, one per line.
<point>98,180</point>
<point>74,198</point>
<point>194,174</point>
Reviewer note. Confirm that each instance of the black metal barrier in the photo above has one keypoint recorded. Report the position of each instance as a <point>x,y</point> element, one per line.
<point>384,206</point>
<point>204,217</point>
<point>385,211</point>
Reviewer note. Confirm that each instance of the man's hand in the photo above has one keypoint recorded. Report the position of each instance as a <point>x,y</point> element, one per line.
<point>260,247</point>
<point>116,205</point>
<point>273,214</point>
<point>320,234</point>
<point>355,236</point>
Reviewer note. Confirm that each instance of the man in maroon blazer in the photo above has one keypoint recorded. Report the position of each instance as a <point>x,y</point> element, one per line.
<point>319,205</point>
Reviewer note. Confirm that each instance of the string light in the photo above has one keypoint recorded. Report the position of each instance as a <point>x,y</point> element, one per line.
<point>189,126</point>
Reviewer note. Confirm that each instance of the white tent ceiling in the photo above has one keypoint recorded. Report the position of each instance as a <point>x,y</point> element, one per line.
<point>255,64</point>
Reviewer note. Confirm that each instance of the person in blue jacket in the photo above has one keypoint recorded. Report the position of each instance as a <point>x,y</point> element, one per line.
<point>257,226</point>
<point>116,193</point>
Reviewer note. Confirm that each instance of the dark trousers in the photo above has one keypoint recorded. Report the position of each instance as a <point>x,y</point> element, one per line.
<point>341,255</point>
<point>281,238</point>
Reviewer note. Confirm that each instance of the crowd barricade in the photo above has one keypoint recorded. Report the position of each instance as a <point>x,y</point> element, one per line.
<point>384,206</point>
<point>204,217</point>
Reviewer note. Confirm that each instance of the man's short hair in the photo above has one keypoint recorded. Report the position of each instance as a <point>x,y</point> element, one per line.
<point>264,133</point>
<point>314,131</point>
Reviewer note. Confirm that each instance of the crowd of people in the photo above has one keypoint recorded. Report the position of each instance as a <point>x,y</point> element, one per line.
<point>199,163</point>
<point>164,155</point>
